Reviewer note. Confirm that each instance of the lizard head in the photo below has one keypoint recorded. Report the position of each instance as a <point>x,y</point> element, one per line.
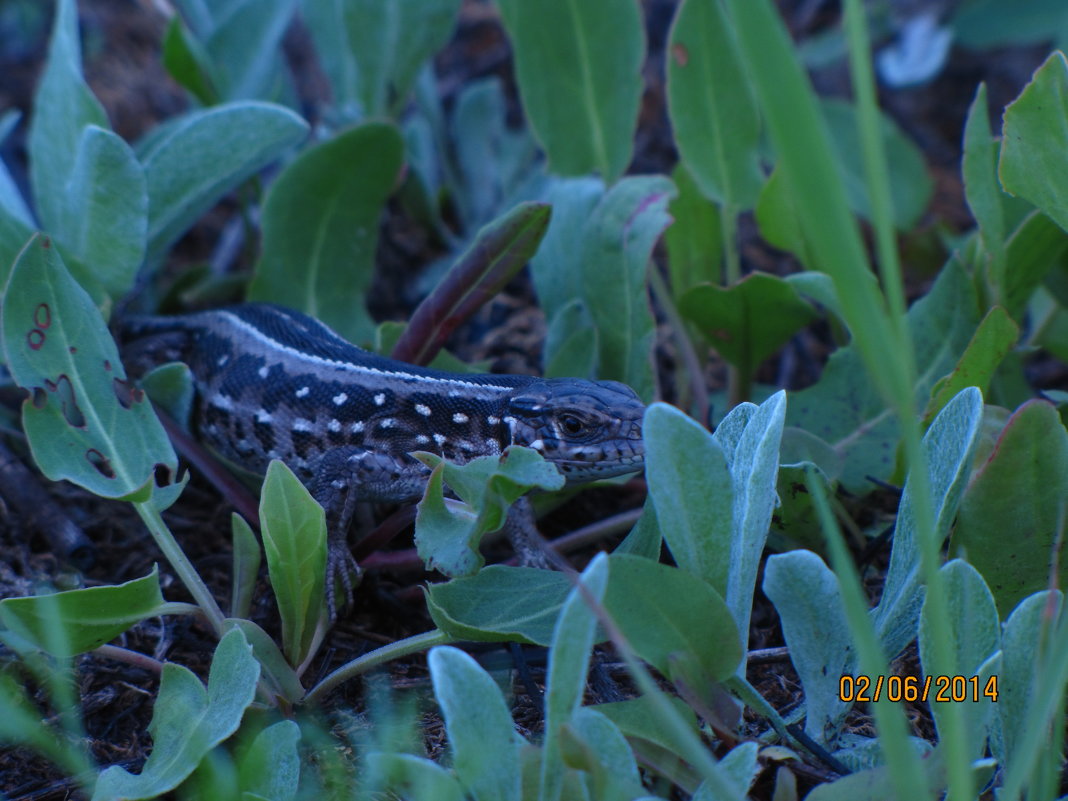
<point>588,429</point>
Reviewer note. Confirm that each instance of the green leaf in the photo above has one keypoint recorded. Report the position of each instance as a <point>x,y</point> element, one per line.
<point>245,46</point>
<point>982,190</point>
<point>277,672</point>
<point>637,719</point>
<point>748,322</point>
<point>448,540</point>
<point>499,604</point>
<point>271,766</point>
<point>645,538</point>
<point>1021,489</point>
<point>294,538</point>
<point>675,621</point>
<point>205,154</point>
<point>846,409</point>
<point>188,721</point>
<point>84,421</point>
<point>739,767</point>
<point>76,621</point>
<point>810,163</point>
<point>987,24</point>
<point>1035,138</point>
<point>482,737</point>
<point>911,188</point>
<point>694,240</point>
<point>590,742</point>
<point>806,596</point>
<point>876,784</point>
<point>714,494</point>
<point>13,235</point>
<point>948,447</point>
<point>691,488</point>
<point>1035,247</point>
<point>495,165</point>
<point>910,184</point>
<point>170,386</point>
<point>750,437</point>
<point>1026,636</point>
<point>557,267</point>
<point>247,557</point>
<point>569,661</point>
<point>372,51</point>
<point>797,519</point>
<point>415,777</point>
<point>320,227</point>
<point>105,211</point>
<point>573,342</point>
<point>713,114</point>
<point>990,344</point>
<point>579,71</point>
<point>12,204</point>
<point>186,61</point>
<point>620,238</point>
<point>976,636</point>
<point>777,216</point>
<point>62,108</point>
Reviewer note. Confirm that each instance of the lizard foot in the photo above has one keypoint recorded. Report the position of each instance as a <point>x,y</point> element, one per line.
<point>341,566</point>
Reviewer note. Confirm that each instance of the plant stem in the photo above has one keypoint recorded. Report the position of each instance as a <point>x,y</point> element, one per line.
<point>181,565</point>
<point>682,341</point>
<point>409,645</point>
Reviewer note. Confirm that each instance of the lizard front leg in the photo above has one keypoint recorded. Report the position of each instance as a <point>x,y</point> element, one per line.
<point>345,476</point>
<point>523,534</point>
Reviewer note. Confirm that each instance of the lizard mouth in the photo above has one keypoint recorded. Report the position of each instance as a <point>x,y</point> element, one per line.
<point>603,467</point>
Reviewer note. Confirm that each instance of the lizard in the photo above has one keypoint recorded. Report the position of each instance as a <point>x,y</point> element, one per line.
<point>273,383</point>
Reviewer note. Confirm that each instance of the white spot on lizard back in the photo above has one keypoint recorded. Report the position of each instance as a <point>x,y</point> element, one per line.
<point>301,424</point>
<point>460,418</point>
<point>339,398</point>
<point>334,425</point>
<point>356,427</point>
<point>440,439</point>
<point>423,409</point>
<point>262,372</point>
<point>302,392</point>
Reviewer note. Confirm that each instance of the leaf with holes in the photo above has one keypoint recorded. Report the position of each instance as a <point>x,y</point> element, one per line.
<point>84,421</point>
<point>448,539</point>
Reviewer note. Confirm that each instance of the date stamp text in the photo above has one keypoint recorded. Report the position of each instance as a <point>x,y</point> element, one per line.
<point>938,689</point>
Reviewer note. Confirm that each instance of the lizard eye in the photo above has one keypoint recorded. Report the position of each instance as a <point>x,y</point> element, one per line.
<point>571,424</point>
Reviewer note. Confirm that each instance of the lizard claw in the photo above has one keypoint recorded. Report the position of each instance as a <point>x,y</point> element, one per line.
<point>340,565</point>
